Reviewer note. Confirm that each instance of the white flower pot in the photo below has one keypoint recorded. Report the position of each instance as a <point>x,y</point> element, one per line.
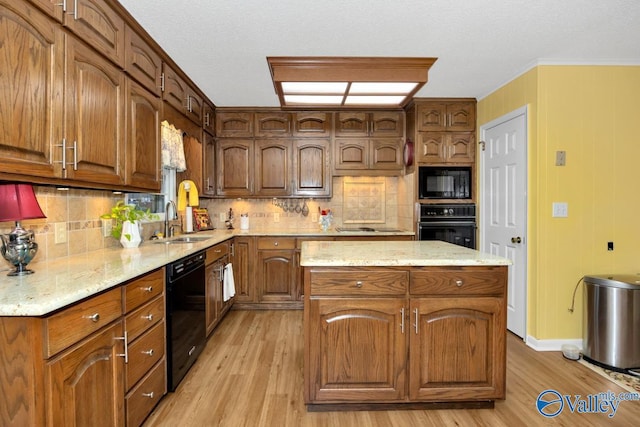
<point>130,237</point>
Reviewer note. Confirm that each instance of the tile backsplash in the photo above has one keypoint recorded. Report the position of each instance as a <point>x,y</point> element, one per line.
<point>79,210</point>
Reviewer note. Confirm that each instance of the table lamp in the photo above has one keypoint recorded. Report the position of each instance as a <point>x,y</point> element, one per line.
<point>18,202</point>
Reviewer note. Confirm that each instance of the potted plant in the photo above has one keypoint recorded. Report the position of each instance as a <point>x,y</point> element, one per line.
<point>127,223</point>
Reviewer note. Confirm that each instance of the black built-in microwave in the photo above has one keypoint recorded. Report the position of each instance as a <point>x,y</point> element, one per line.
<point>444,182</point>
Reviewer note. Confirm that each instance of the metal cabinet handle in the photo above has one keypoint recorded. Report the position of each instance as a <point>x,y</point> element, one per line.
<point>75,155</point>
<point>359,284</point>
<point>459,283</point>
<point>162,82</point>
<point>95,317</point>
<point>149,395</point>
<point>275,243</point>
<point>147,289</point>
<point>126,347</point>
<point>149,317</point>
<point>147,352</point>
<point>415,325</point>
<point>402,320</point>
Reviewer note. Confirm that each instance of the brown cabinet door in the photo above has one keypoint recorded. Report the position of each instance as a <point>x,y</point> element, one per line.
<point>195,106</point>
<point>351,154</point>
<point>272,167</point>
<point>457,349</point>
<point>209,168</point>
<point>237,125</point>
<point>174,89</point>
<point>450,116</point>
<point>95,90</point>
<point>142,62</point>
<point>461,116</point>
<point>277,275</point>
<point>143,138</point>
<point>52,8</point>
<point>243,260</point>
<point>212,275</point>
<point>272,124</point>
<point>312,124</point>
<point>351,123</point>
<point>96,23</point>
<point>357,350</point>
<point>30,98</point>
<point>386,154</point>
<point>311,167</point>
<point>431,147</point>
<point>431,116</point>
<point>386,123</point>
<point>461,147</point>
<point>235,167</point>
<point>86,384</point>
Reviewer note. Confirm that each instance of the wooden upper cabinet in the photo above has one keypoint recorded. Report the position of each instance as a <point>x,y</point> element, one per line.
<point>272,167</point>
<point>53,8</point>
<point>376,124</point>
<point>94,127</point>
<point>351,154</point>
<point>311,167</point>
<point>32,66</point>
<point>234,167</point>
<point>142,62</point>
<point>177,93</point>
<point>446,116</point>
<point>209,168</point>
<point>209,118</point>
<point>312,124</point>
<point>96,23</point>
<point>143,138</point>
<point>445,147</point>
<point>230,124</point>
<point>385,154</point>
<point>272,124</point>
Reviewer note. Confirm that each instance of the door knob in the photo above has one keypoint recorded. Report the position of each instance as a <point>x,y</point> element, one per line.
<point>516,240</point>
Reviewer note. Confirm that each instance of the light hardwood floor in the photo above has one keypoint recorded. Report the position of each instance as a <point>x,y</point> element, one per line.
<point>250,374</point>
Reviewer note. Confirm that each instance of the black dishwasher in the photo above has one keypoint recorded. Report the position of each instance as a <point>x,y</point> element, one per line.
<point>186,334</point>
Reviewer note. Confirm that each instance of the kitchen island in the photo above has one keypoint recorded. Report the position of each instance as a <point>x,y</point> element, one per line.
<point>392,325</point>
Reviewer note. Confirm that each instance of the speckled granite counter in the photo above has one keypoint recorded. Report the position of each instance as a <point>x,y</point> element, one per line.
<point>60,282</point>
<point>412,253</point>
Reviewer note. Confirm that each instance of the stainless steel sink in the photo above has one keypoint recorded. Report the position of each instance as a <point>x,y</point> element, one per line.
<point>185,239</point>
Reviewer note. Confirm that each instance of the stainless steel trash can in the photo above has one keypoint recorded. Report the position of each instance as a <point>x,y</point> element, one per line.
<point>611,329</point>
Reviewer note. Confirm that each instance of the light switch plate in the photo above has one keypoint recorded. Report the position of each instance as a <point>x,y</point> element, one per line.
<point>60,230</point>
<point>560,210</point>
<point>561,158</point>
<point>107,226</point>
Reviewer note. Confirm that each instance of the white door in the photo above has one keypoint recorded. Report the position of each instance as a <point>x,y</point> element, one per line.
<point>503,206</point>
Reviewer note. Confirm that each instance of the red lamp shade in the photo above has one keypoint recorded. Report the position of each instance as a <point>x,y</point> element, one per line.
<point>18,202</point>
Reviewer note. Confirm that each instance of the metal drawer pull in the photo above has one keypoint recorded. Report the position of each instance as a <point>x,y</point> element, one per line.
<point>126,348</point>
<point>147,352</point>
<point>217,251</point>
<point>147,289</point>
<point>95,317</point>
<point>149,395</point>
<point>149,317</point>
<point>459,283</point>
<point>275,243</point>
<point>415,311</point>
<point>359,284</point>
<point>402,321</point>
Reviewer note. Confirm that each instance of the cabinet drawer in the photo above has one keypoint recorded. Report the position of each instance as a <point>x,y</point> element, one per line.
<point>145,396</point>
<point>144,353</point>
<point>143,318</point>
<point>78,321</point>
<point>266,243</point>
<point>216,252</point>
<point>467,281</point>
<point>356,283</point>
<point>143,289</point>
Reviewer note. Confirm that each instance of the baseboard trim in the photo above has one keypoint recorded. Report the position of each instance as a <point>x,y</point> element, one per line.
<point>551,345</point>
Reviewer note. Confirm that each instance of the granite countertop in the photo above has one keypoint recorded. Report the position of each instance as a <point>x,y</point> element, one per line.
<point>393,253</point>
<point>63,281</point>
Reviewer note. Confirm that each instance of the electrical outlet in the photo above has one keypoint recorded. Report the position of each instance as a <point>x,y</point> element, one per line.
<point>276,217</point>
<point>107,226</point>
<point>561,158</point>
<point>560,210</point>
<point>60,231</point>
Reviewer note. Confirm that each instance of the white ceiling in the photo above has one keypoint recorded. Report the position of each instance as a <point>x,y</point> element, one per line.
<point>480,44</point>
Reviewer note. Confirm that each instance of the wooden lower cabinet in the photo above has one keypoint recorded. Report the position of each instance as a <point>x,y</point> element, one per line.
<point>277,269</point>
<point>243,260</point>
<point>216,307</point>
<point>98,362</point>
<point>404,335</point>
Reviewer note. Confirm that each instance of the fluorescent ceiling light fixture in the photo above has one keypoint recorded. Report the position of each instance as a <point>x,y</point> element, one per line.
<point>374,100</point>
<point>332,81</point>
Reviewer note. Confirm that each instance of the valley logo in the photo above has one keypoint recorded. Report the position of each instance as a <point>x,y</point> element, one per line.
<point>550,403</point>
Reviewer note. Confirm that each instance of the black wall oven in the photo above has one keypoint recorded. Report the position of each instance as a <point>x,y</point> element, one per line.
<point>454,223</point>
<point>186,325</point>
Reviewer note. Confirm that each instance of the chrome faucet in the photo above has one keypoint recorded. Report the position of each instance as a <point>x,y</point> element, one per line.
<point>168,231</point>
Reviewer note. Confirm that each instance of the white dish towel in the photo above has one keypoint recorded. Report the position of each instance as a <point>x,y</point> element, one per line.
<point>228,285</point>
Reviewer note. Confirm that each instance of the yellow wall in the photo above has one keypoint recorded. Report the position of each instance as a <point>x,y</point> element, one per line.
<point>591,112</point>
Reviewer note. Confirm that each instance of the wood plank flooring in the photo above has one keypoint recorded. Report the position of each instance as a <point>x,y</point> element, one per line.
<point>250,374</point>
